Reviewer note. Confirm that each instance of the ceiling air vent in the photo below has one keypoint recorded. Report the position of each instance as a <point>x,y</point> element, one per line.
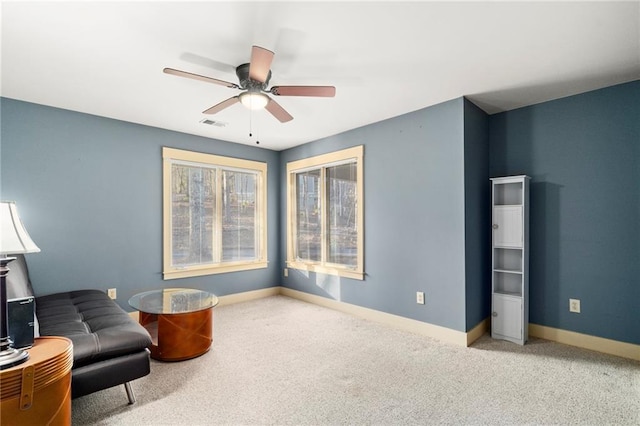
<point>213,123</point>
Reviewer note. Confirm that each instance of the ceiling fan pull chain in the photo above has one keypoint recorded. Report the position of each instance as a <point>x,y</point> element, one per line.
<point>251,127</point>
<point>257,130</point>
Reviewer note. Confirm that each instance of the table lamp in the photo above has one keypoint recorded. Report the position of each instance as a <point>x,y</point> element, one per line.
<point>14,239</point>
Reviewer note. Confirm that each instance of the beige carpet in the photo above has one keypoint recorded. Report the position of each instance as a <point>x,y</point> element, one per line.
<point>281,361</point>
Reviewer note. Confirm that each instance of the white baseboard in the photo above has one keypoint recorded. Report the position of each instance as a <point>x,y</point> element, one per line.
<point>478,331</point>
<point>248,295</point>
<point>418,327</point>
<point>585,341</point>
<point>594,343</point>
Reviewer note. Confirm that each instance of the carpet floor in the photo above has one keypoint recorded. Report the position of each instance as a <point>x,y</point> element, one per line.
<point>280,361</point>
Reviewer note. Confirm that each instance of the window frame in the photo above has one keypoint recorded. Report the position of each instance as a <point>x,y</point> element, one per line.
<point>172,156</point>
<point>322,162</point>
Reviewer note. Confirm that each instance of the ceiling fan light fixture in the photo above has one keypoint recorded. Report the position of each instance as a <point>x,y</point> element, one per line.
<point>254,100</point>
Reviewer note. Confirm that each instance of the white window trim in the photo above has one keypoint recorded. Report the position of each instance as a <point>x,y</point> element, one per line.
<point>326,160</point>
<point>171,156</point>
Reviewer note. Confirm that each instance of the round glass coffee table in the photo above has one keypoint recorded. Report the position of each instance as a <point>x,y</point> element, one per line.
<point>179,320</point>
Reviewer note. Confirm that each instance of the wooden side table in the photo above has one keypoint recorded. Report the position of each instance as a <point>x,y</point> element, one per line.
<point>179,320</point>
<point>38,391</point>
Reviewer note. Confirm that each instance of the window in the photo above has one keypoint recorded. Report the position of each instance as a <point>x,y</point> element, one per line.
<point>214,214</point>
<point>325,213</point>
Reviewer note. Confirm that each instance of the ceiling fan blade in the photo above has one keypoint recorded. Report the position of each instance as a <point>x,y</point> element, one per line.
<point>277,111</point>
<point>200,77</point>
<point>260,63</point>
<point>222,105</point>
<point>318,91</point>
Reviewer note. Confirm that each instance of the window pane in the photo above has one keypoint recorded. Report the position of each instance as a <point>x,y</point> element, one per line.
<point>193,214</point>
<point>238,216</point>
<point>308,238</point>
<point>342,223</point>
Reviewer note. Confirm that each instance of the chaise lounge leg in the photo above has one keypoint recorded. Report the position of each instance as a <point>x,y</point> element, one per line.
<point>130,395</point>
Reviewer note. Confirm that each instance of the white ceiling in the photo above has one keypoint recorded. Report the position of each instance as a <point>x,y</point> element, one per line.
<point>385,58</point>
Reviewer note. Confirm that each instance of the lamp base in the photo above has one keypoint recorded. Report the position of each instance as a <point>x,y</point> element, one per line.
<point>10,357</point>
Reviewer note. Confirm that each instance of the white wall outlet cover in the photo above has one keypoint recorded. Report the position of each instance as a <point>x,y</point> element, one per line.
<point>112,293</point>
<point>574,305</point>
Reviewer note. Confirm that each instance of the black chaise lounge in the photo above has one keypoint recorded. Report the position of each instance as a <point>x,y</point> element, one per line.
<point>109,347</point>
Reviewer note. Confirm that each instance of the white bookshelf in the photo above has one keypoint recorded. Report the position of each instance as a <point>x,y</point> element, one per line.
<point>510,258</point>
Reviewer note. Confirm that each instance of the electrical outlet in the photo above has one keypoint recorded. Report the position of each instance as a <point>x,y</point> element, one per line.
<point>420,298</point>
<point>574,305</point>
<point>286,272</point>
<point>112,293</point>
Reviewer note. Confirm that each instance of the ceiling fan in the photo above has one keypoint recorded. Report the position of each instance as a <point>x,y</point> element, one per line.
<point>254,78</point>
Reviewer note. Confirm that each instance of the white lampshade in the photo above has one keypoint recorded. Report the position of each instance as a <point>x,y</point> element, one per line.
<point>14,239</point>
<point>254,100</point>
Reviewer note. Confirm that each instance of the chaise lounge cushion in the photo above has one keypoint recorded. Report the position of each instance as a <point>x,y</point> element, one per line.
<point>95,325</point>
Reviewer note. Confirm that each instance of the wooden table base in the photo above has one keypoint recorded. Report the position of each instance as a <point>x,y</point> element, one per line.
<point>177,337</point>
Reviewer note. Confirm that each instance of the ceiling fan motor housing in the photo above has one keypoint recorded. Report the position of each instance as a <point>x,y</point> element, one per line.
<point>247,83</point>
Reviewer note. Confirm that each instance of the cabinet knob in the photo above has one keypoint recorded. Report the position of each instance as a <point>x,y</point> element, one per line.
<point>494,314</point>
<point>495,226</point>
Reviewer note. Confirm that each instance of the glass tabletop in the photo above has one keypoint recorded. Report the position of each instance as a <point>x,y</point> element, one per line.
<point>173,301</point>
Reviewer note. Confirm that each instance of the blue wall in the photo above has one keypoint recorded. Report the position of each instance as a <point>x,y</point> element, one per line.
<point>414,214</point>
<point>583,154</point>
<point>89,190</point>
<point>477,193</point>
<point>426,205</point>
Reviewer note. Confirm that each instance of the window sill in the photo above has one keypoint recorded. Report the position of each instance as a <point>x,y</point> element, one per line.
<point>197,271</point>
<point>329,270</point>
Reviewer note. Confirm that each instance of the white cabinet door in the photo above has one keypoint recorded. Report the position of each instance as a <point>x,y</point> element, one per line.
<point>507,226</point>
<point>507,317</point>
